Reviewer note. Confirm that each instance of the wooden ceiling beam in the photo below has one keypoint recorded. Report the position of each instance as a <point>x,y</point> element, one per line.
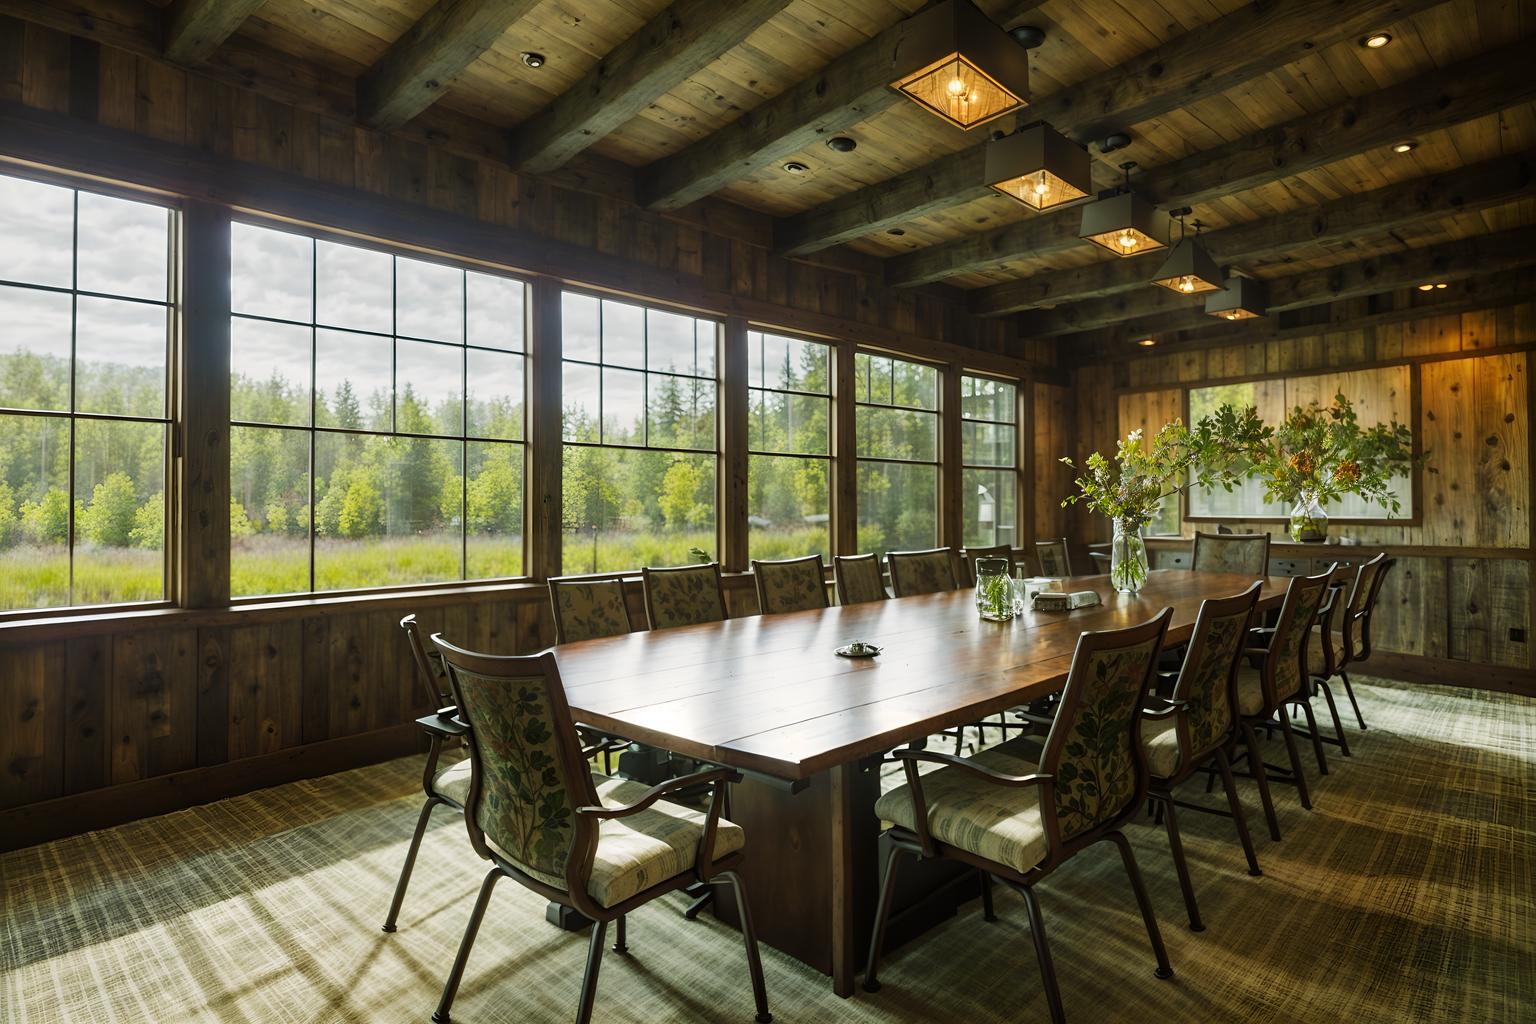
<point>1492,291</point>
<point>196,28</point>
<point>1440,99</point>
<point>672,46</point>
<point>1157,310</point>
<point>1252,41</point>
<point>850,90</point>
<point>421,64</point>
<point>1464,190</point>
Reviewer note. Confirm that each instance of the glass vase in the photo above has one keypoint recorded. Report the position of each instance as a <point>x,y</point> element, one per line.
<point>1309,523</point>
<point>1128,557</point>
<point>994,589</point>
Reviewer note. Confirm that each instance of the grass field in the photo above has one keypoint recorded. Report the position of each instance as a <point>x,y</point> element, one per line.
<point>33,576</point>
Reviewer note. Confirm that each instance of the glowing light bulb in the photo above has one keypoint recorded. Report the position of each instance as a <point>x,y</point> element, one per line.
<point>956,87</point>
<point>1041,188</point>
<point>1231,316</point>
<point>1187,283</point>
<point>1127,240</point>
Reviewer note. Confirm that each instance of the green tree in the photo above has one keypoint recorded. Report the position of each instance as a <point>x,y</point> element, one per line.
<point>149,523</point>
<point>47,521</point>
<point>10,521</point>
<point>679,502</point>
<point>239,523</point>
<point>108,519</point>
<point>496,496</point>
<point>362,512</point>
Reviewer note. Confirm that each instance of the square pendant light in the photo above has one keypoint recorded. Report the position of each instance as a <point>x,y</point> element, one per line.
<point>1244,298</point>
<point>1124,223</point>
<point>1039,167</point>
<point>962,66</point>
<point>1189,270</point>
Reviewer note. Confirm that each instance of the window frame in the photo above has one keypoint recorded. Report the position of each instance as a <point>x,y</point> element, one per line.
<point>321,233</point>
<point>940,412</point>
<point>171,417</point>
<point>829,460</point>
<point>1016,465</point>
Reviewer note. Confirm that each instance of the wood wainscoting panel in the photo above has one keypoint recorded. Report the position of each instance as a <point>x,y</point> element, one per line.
<point>152,696</point>
<point>31,724</point>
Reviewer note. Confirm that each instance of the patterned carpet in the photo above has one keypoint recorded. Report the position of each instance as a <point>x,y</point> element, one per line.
<point>1408,895</point>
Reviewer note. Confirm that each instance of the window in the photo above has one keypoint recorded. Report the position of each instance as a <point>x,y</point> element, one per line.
<point>377,403</point>
<point>640,435</point>
<point>897,426</point>
<point>1379,396</point>
<point>989,455</point>
<point>789,430</point>
<point>85,317</point>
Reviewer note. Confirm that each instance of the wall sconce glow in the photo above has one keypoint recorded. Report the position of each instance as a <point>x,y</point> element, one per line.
<point>963,66</point>
<point>1189,269</point>
<point>1243,298</point>
<point>1124,223</point>
<point>1039,167</point>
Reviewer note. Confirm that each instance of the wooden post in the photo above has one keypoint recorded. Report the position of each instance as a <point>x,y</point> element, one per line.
<point>545,497</point>
<point>845,469</point>
<point>951,474</point>
<point>733,447</point>
<point>200,488</point>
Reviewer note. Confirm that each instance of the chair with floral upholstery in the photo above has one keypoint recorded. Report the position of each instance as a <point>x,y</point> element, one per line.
<point>444,787</point>
<point>858,578</point>
<point>1015,822</point>
<point>601,846</point>
<point>1054,560</point>
<point>1356,645</point>
<point>1329,657</point>
<point>685,595</point>
<point>1197,726</point>
<point>1246,553</point>
<point>1280,676</point>
<point>972,555</point>
<point>922,572</point>
<point>588,607</point>
<point>790,585</point>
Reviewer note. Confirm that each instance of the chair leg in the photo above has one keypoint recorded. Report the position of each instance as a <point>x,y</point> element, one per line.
<point>589,978</point>
<point>986,896</point>
<point>1043,955</point>
<point>1163,968</point>
<point>451,989</point>
<point>1317,740</point>
<point>410,862</point>
<point>749,936</point>
<point>1238,815</point>
<point>1350,692</point>
<point>1290,748</point>
<point>882,918</point>
<point>619,944</point>
<point>1256,765</point>
<point>1333,711</point>
<point>1180,866</point>
<point>703,895</point>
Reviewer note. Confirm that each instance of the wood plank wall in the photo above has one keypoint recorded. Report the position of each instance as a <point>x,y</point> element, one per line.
<point>1463,574</point>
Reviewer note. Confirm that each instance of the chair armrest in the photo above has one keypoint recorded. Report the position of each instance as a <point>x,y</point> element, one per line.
<point>1262,630</point>
<point>1169,708</point>
<point>1012,781</point>
<point>1256,650</point>
<point>443,724</point>
<point>661,789</point>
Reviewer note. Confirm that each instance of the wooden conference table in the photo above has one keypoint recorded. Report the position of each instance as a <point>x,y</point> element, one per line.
<point>767,695</point>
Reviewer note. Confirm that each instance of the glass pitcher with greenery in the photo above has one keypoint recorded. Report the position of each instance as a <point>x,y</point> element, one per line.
<point>994,589</point>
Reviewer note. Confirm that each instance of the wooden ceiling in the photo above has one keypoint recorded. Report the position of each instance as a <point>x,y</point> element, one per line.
<point>1253,114</point>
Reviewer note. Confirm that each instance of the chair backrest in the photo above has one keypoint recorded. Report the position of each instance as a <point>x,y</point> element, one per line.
<point>586,608</point>
<point>1246,553</point>
<point>683,596</point>
<point>1208,677</point>
<point>858,578</point>
<point>790,585</point>
<point>921,572</point>
<point>1054,560</point>
<point>1329,614</point>
<point>1357,613</point>
<point>429,668</point>
<point>1093,750</point>
<point>1284,670</point>
<point>998,551</point>
<point>527,774</point>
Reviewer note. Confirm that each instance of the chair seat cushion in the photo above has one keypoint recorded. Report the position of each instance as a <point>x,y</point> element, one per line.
<point>1002,824</point>
<point>453,782</point>
<point>1250,690</point>
<point>644,849</point>
<point>1160,741</point>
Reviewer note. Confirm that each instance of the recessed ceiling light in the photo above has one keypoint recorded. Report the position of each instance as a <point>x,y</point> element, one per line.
<point>796,167</point>
<point>533,60</point>
<point>1442,284</point>
<point>842,144</point>
<point>897,232</point>
<point>1376,40</point>
<point>1406,146</point>
<point>1146,342</point>
<point>1426,287</point>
